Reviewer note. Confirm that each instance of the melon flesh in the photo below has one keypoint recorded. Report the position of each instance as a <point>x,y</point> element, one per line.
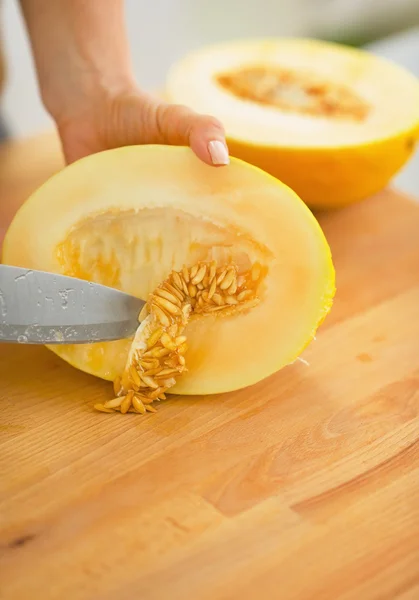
<point>130,216</point>
<point>332,122</point>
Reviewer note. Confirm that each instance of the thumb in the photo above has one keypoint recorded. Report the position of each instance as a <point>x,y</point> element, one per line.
<point>178,125</point>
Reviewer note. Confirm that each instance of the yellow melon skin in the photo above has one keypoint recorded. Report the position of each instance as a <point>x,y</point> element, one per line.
<point>334,178</point>
<point>327,162</point>
<point>128,217</point>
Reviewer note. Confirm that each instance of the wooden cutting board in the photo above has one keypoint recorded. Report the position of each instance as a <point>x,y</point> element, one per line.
<point>305,486</point>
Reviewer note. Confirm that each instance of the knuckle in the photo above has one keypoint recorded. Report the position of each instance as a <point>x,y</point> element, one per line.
<point>212,123</point>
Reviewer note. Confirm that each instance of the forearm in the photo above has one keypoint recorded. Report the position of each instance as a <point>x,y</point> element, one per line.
<point>80,49</point>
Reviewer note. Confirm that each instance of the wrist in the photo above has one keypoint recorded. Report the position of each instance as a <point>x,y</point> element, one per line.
<point>81,52</point>
<point>81,93</point>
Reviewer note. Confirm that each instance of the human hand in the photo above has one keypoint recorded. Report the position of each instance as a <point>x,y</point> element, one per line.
<point>86,81</point>
<point>133,117</point>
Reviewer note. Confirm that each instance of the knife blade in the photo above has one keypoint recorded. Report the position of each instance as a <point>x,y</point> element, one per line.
<point>44,308</point>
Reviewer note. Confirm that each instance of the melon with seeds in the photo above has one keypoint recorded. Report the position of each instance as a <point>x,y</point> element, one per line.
<point>235,269</point>
<point>332,122</point>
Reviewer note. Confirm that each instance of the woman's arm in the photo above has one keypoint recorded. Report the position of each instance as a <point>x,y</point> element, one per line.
<point>80,50</point>
<point>86,81</point>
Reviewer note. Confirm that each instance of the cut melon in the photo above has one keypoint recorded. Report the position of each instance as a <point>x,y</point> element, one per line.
<point>236,270</point>
<point>334,123</point>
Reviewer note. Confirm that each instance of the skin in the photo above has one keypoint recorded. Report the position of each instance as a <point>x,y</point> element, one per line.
<point>86,81</point>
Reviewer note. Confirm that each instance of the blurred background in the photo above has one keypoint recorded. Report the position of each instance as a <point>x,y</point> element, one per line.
<point>162,31</point>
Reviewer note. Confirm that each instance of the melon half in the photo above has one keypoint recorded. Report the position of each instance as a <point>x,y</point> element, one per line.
<point>332,122</point>
<point>135,217</point>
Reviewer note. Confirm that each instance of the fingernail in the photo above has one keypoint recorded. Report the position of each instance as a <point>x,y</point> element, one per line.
<point>218,152</point>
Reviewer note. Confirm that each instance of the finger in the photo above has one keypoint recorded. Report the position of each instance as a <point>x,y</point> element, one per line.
<point>179,125</point>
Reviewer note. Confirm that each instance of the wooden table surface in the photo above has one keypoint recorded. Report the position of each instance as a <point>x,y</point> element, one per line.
<point>305,486</point>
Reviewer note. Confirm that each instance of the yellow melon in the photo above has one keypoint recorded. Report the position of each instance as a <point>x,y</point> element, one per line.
<point>236,270</point>
<point>332,122</point>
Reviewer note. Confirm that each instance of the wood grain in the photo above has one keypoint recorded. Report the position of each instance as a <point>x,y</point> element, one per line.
<point>305,486</point>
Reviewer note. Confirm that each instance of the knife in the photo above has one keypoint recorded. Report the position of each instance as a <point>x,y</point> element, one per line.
<point>44,308</point>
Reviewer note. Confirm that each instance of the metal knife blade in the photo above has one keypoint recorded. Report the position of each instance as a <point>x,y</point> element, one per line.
<point>43,308</point>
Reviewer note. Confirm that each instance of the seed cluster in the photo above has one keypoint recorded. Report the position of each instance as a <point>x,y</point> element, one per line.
<point>157,355</point>
<point>294,91</point>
